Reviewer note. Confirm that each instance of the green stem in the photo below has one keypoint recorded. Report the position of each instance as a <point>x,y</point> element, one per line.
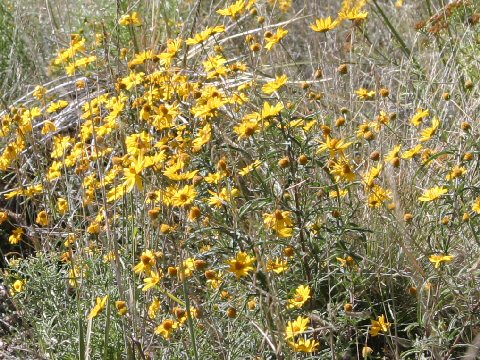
<point>189,318</point>
<point>81,336</point>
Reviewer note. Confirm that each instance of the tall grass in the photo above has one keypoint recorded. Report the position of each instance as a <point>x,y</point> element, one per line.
<point>179,198</point>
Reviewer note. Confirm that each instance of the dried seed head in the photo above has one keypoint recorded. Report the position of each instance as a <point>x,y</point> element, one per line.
<point>303,159</point>
<point>231,312</point>
<point>255,47</point>
<point>468,156</point>
<point>343,69</point>
<point>289,251</point>
<point>375,156</point>
<point>340,122</point>
<point>284,162</point>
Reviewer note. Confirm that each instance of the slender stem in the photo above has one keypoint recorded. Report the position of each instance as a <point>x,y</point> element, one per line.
<point>189,317</point>
<point>397,36</point>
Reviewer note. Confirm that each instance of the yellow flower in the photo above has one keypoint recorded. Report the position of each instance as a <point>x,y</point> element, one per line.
<point>249,168</point>
<point>205,35</point>
<point>132,176</point>
<point>476,205</point>
<point>130,19</point>
<point>378,196</point>
<point>302,294</point>
<point>421,114</point>
<point>352,10</point>
<point>39,92</point>
<point>283,5</point>
<point>29,191</point>
<point>433,193</point>
<point>62,206</point>
<point>154,308</point>
<point>184,196</point>
<point>438,259</point>
<point>271,87</point>
<point>48,127</point>
<point>342,170</point>
<point>138,143</point>
<point>365,130</point>
<point>3,217</point>
<point>241,264</point>
<point>393,154</point>
<point>99,306</point>
<point>279,221</point>
<point>173,47</point>
<point>214,66</point>
<point>364,94</point>
<point>42,218</point>
<point>57,106</point>
<point>381,120</point>
<point>132,80</point>
<point>370,176</point>
<point>75,275</point>
<point>19,285</point>
<point>121,307</point>
<point>353,15</point>
<point>55,170</point>
<point>60,145</point>
<point>76,45</point>
<point>183,316</point>
<point>275,38</point>
<point>247,128</point>
<point>152,280</point>
<point>109,257</point>
<point>411,153</point>
<point>306,346</point>
<point>334,146</point>
<point>166,328</point>
<point>223,197</point>
<point>269,111</point>
<point>430,131</point>
<point>380,325</point>
<point>278,266</point>
<point>94,228</point>
<point>456,172</point>
<point>188,268</point>
<point>349,261</point>
<point>296,327</point>
<point>214,178</point>
<point>80,63</point>
<point>204,136</point>
<point>340,193</point>
<point>214,279</point>
<point>233,10</point>
<point>140,58</point>
<point>324,25</point>
<point>366,352</point>
<point>147,261</point>
<point>252,304</point>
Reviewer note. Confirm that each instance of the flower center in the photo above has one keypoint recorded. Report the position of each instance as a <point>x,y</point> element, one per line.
<point>239,265</point>
<point>299,298</point>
